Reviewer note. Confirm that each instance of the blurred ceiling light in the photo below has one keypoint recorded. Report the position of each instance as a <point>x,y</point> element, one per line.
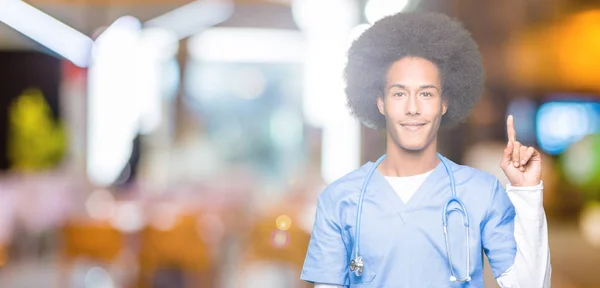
<point>123,25</point>
<point>247,45</point>
<point>375,10</point>
<point>123,33</point>
<point>156,46</point>
<point>51,33</point>
<point>159,43</point>
<point>328,26</point>
<point>113,117</point>
<point>317,16</point>
<point>191,18</point>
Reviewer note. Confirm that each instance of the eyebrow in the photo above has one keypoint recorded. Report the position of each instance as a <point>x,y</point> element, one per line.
<point>420,87</point>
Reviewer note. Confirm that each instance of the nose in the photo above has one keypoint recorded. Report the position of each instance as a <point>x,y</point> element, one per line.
<point>412,106</point>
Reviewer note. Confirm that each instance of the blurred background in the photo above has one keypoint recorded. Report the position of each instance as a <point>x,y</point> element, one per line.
<point>155,143</point>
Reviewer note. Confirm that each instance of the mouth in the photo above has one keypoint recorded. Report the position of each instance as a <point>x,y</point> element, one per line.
<point>413,126</point>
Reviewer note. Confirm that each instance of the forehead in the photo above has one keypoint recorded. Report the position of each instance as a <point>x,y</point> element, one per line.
<point>413,71</point>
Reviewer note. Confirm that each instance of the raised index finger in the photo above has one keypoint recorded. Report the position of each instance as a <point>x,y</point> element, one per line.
<point>510,129</point>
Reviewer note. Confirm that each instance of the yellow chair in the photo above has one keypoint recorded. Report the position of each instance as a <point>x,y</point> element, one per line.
<point>270,243</point>
<point>179,247</point>
<point>96,241</point>
<point>267,243</point>
<point>3,256</point>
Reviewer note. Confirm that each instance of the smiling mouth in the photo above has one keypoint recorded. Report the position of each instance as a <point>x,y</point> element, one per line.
<point>412,126</point>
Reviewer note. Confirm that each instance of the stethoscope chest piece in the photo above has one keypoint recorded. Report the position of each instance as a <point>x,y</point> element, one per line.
<point>357,266</point>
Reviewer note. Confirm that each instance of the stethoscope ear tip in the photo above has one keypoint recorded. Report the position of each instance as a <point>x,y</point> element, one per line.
<point>452,279</point>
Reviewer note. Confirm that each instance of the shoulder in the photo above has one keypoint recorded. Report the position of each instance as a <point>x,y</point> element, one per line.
<point>346,186</point>
<point>482,185</point>
<point>469,176</point>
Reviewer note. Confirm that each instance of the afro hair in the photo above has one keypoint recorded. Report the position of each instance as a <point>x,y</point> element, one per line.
<point>432,36</point>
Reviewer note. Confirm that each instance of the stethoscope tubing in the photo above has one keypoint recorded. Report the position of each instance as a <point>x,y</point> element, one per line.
<point>463,210</point>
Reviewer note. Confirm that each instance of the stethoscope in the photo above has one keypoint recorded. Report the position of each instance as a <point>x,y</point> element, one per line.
<point>357,265</point>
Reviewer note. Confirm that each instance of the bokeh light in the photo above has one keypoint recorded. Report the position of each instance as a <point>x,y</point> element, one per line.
<point>581,163</point>
<point>590,224</point>
<point>283,222</point>
<point>98,277</point>
<point>164,216</point>
<point>559,124</point>
<point>280,239</point>
<point>127,217</point>
<point>200,141</point>
<point>100,205</point>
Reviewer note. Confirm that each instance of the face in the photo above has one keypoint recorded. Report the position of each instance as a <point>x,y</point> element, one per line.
<point>412,103</point>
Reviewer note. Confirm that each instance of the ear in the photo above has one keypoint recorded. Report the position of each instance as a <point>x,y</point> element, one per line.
<point>381,105</point>
<point>444,106</point>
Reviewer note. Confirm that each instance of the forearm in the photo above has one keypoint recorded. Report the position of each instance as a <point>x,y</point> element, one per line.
<point>532,266</point>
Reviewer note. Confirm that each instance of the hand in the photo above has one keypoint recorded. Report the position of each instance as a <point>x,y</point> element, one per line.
<point>521,164</point>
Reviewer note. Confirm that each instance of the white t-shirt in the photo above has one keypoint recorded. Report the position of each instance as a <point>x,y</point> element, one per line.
<point>406,187</point>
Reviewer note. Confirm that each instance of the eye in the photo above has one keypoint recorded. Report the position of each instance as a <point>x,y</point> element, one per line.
<point>398,94</point>
<point>426,94</point>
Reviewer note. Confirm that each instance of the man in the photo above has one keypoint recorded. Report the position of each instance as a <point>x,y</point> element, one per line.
<point>395,223</point>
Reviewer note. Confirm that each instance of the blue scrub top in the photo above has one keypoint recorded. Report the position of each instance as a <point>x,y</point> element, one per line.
<point>402,244</point>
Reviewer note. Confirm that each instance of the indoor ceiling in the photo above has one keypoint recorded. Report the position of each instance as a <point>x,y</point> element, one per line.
<point>87,16</point>
<point>492,23</point>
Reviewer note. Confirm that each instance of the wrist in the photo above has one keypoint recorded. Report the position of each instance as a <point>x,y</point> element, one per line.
<point>527,185</point>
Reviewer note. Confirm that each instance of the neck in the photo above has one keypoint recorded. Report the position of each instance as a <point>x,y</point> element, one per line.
<point>400,162</point>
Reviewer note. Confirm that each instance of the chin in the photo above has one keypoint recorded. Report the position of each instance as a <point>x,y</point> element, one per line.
<point>413,147</point>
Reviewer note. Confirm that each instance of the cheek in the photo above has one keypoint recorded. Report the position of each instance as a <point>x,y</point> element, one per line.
<point>434,108</point>
<point>394,108</point>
